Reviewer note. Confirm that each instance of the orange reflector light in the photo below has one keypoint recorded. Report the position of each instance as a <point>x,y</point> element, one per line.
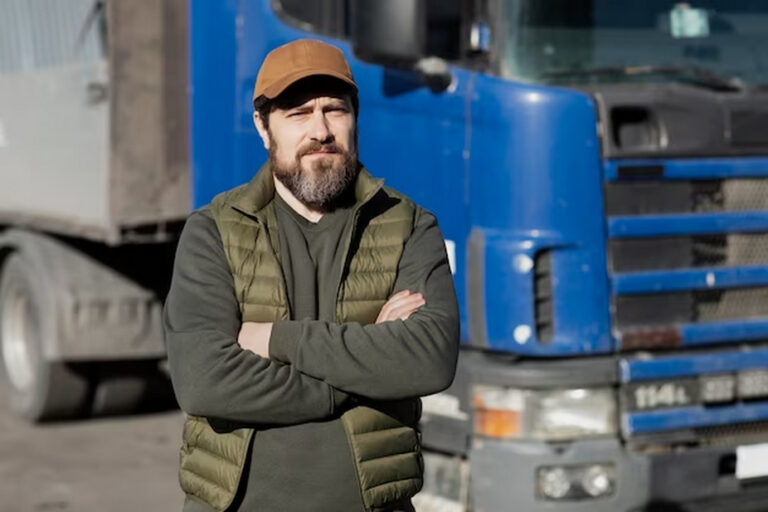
<point>496,423</point>
<point>497,412</point>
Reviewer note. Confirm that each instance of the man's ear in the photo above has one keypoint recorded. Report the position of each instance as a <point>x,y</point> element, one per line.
<point>259,123</point>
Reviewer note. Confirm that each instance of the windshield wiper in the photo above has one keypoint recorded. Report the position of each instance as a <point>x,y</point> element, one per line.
<point>690,74</point>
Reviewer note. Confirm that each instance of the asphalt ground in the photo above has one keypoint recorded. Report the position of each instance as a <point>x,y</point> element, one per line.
<point>117,464</point>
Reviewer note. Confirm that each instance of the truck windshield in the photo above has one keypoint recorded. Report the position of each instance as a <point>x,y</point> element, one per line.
<point>718,44</point>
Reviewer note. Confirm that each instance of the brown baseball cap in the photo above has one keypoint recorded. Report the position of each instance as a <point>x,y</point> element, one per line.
<point>299,59</point>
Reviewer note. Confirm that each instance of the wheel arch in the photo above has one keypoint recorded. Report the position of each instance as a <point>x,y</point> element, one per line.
<point>87,296</point>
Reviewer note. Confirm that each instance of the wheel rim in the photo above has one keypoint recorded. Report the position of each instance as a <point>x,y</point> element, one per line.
<point>18,328</point>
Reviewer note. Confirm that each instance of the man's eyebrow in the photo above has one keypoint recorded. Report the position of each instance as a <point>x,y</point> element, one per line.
<point>333,100</point>
<point>295,108</point>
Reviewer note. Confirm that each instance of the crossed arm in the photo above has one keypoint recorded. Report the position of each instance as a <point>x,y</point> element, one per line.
<point>219,368</point>
<point>212,376</point>
<point>254,336</point>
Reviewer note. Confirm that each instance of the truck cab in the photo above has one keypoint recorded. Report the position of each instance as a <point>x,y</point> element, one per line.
<point>597,169</point>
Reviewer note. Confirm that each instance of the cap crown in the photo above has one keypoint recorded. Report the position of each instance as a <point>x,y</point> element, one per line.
<point>296,60</point>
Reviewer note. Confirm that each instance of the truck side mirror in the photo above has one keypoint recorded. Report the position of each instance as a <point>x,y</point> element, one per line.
<point>388,31</point>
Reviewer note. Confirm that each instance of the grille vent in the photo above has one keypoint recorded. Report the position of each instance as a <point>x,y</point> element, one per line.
<point>545,321</point>
<point>670,253</point>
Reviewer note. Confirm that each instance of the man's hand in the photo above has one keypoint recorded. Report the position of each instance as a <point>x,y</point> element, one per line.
<point>254,336</point>
<point>400,305</point>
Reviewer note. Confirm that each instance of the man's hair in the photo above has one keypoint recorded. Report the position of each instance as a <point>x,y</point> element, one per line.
<point>263,106</point>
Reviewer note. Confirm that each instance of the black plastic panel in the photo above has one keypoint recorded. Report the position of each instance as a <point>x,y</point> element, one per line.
<point>648,197</point>
<point>672,120</point>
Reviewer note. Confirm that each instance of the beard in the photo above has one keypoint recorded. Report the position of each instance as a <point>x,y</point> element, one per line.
<point>320,186</point>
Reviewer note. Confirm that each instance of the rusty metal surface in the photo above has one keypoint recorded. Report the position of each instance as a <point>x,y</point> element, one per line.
<point>149,181</point>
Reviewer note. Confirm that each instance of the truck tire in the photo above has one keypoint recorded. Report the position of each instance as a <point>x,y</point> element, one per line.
<point>39,389</point>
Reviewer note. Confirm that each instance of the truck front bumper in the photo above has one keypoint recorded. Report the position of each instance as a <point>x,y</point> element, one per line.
<point>504,477</point>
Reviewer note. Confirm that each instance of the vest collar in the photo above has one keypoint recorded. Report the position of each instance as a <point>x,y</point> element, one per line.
<point>252,198</point>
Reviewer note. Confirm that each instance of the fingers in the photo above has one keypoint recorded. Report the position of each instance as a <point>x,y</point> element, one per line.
<point>400,306</point>
<point>404,307</point>
<point>399,295</point>
<point>393,302</point>
<point>384,314</point>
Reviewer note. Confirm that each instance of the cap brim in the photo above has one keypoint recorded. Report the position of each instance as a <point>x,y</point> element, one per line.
<point>277,88</point>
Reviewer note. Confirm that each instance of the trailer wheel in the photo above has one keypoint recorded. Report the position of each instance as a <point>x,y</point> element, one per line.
<point>39,389</point>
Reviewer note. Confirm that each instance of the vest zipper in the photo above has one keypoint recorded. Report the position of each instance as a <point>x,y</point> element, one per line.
<point>281,274</point>
<point>348,243</point>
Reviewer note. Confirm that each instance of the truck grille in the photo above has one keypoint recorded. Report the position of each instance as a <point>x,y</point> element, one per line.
<point>726,435</point>
<point>684,307</point>
<point>688,246</point>
<point>693,391</point>
<point>669,253</point>
<point>741,433</point>
<point>706,196</point>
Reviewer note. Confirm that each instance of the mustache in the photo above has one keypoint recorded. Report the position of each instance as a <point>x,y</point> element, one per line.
<point>315,147</point>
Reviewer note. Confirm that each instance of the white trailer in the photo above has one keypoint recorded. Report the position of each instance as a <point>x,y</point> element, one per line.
<point>94,188</point>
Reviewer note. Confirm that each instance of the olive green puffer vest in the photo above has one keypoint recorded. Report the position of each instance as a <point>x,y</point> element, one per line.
<point>382,435</point>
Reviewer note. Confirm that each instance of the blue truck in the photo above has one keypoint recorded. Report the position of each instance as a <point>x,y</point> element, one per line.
<point>599,170</point>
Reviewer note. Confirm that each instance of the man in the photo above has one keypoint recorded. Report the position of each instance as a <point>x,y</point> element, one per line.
<point>309,310</point>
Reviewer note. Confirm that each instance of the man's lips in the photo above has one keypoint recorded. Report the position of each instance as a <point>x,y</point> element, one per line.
<point>316,153</point>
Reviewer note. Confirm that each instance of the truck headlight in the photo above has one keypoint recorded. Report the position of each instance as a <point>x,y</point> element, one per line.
<point>546,415</point>
<point>576,482</point>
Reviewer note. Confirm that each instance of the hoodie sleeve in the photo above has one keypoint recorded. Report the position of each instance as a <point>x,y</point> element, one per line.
<point>212,375</point>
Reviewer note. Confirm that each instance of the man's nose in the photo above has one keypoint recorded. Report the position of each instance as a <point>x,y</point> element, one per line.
<point>319,129</point>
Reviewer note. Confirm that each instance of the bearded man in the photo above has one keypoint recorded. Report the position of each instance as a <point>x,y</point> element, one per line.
<point>309,309</point>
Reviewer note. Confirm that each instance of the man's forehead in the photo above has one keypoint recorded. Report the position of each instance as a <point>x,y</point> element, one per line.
<point>310,89</point>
